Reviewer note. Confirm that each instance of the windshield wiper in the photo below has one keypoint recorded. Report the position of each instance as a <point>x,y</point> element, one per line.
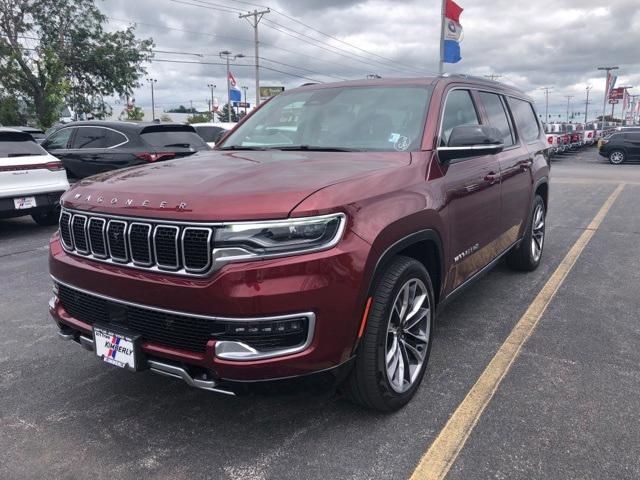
<point>183,145</point>
<point>23,155</point>
<point>241,147</point>
<point>314,148</point>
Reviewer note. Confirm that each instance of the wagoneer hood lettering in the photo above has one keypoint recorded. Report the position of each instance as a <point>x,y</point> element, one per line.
<point>217,185</point>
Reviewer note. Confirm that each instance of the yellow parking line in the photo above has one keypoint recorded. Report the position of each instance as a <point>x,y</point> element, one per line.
<point>444,450</point>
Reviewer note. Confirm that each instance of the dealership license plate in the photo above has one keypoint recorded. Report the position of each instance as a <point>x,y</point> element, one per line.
<point>24,203</point>
<point>115,348</point>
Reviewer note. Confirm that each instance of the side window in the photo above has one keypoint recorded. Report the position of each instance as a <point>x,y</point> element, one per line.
<point>59,140</point>
<point>113,138</point>
<point>525,119</point>
<point>459,110</point>
<point>497,116</point>
<point>90,137</point>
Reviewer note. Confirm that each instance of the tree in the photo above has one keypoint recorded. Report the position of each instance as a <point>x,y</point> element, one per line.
<point>182,109</point>
<point>135,114</point>
<point>223,114</point>
<point>200,118</point>
<point>54,52</point>
<point>11,112</point>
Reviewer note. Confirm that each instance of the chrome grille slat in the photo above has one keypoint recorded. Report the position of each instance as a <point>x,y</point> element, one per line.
<point>182,248</point>
<point>139,237</point>
<point>79,233</point>
<point>96,232</point>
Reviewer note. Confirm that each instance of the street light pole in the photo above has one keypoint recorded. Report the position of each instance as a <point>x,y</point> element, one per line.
<point>606,90</point>
<point>227,54</point>
<point>212,86</point>
<point>153,101</point>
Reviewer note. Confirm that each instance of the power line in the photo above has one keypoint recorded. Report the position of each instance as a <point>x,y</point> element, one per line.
<point>275,47</point>
<point>326,34</point>
<point>320,44</point>
<point>165,60</point>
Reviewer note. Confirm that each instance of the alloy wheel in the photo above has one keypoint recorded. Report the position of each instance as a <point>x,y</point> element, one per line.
<point>616,157</point>
<point>537,235</point>
<point>408,334</point>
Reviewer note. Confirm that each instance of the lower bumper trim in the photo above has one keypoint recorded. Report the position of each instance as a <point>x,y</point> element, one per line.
<point>162,368</point>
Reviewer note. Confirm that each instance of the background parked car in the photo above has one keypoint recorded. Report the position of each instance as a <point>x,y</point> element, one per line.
<point>211,132</point>
<point>87,148</point>
<point>31,180</point>
<point>620,147</point>
<point>37,134</point>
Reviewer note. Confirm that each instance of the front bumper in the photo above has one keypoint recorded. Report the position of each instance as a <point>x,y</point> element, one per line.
<point>324,286</point>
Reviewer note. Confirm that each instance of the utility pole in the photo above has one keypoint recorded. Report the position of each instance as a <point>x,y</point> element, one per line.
<point>546,103</point>
<point>493,76</point>
<point>152,81</point>
<point>568,97</point>
<point>606,90</point>
<point>257,16</point>
<point>227,54</point>
<point>211,86</point>
<point>586,104</point>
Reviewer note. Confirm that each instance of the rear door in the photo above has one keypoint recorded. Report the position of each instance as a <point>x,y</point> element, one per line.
<point>97,149</point>
<point>632,141</point>
<point>57,144</point>
<point>515,166</point>
<point>473,195</point>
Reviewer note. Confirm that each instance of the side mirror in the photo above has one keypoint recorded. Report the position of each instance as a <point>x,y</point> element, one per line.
<point>471,141</point>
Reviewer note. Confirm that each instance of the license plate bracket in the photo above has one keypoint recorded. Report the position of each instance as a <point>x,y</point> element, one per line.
<point>118,347</point>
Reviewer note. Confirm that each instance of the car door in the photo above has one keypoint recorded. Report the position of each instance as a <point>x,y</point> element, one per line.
<point>515,165</point>
<point>473,195</point>
<point>85,156</point>
<point>632,142</point>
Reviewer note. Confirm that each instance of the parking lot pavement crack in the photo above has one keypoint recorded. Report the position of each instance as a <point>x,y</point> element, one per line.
<point>21,252</point>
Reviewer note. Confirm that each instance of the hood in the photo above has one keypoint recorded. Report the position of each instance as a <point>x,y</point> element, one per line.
<point>222,185</point>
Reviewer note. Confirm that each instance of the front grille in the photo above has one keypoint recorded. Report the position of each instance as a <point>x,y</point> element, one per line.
<point>179,331</point>
<point>183,249</point>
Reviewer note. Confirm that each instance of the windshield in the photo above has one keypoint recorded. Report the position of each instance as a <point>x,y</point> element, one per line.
<point>339,118</point>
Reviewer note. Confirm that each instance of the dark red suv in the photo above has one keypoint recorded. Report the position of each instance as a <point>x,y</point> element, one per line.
<point>322,235</point>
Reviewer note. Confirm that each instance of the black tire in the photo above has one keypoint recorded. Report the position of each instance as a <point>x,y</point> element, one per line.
<point>46,218</point>
<point>524,256</point>
<point>368,383</point>
<point>616,157</point>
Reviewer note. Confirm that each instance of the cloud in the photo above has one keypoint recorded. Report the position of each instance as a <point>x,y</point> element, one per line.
<point>555,43</point>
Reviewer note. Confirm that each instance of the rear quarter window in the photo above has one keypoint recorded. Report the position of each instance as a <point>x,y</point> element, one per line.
<point>209,134</point>
<point>525,118</point>
<point>173,138</point>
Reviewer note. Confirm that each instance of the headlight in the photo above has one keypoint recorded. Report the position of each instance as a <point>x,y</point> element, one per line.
<point>256,240</point>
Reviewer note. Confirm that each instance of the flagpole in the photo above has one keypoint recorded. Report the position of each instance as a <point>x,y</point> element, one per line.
<point>442,13</point>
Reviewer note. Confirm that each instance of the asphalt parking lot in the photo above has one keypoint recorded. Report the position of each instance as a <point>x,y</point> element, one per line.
<point>567,408</point>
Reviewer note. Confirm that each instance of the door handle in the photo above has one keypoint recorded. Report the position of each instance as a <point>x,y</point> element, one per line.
<point>492,177</point>
<point>525,164</point>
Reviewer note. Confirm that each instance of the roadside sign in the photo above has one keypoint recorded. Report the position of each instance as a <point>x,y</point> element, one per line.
<point>243,104</point>
<point>616,94</point>
<point>268,92</point>
<point>613,102</point>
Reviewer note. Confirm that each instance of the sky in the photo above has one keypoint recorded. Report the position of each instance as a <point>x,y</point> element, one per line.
<point>531,44</point>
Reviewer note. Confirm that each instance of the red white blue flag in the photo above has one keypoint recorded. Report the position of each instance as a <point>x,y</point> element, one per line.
<point>452,32</point>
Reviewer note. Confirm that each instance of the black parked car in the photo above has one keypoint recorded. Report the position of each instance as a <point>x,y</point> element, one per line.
<point>621,147</point>
<point>87,148</point>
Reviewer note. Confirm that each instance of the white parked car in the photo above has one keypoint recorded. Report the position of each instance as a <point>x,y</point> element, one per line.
<point>210,132</point>
<point>31,180</point>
